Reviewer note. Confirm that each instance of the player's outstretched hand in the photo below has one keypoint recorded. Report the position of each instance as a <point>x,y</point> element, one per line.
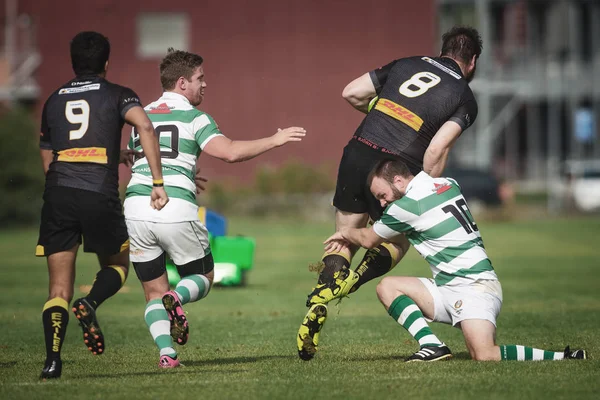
<point>127,157</point>
<point>158,198</point>
<point>200,182</point>
<point>291,134</point>
<point>335,243</point>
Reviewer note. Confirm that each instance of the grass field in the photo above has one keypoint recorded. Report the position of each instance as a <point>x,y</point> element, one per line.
<point>242,342</point>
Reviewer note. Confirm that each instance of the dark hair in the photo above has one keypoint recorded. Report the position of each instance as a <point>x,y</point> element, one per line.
<point>89,53</point>
<point>178,63</point>
<point>388,169</point>
<point>462,43</point>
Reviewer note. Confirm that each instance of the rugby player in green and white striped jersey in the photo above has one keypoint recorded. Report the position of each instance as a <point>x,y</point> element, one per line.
<point>184,133</point>
<point>464,292</point>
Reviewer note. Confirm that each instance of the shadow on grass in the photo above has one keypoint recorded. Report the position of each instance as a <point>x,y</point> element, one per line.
<point>396,357</point>
<point>463,355</point>
<point>236,360</point>
<point>8,364</point>
<point>193,363</point>
<point>179,371</point>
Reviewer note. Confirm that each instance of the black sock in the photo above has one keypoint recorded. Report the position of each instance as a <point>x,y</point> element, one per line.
<point>108,282</point>
<point>55,318</point>
<point>375,263</point>
<point>333,263</point>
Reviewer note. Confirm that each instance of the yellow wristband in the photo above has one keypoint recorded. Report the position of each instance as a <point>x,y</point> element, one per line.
<point>158,182</point>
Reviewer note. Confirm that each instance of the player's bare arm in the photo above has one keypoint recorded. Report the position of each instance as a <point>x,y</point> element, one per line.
<point>363,237</point>
<point>232,151</point>
<point>47,156</point>
<point>436,155</point>
<point>359,92</point>
<point>136,117</point>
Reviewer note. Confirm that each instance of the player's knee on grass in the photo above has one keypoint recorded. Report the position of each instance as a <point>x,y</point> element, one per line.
<point>480,339</point>
<point>486,354</point>
<point>483,350</point>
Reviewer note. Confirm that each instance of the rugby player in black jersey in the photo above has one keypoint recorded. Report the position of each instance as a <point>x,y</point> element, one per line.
<point>80,150</point>
<point>416,108</point>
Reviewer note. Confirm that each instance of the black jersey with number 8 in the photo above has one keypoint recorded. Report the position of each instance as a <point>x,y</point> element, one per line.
<point>417,95</point>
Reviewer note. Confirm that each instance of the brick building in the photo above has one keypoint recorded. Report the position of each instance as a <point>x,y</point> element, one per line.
<point>268,63</point>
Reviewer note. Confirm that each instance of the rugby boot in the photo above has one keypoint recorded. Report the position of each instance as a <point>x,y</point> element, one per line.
<point>339,287</point>
<point>308,334</point>
<point>575,354</point>
<point>52,369</point>
<point>168,362</point>
<point>431,353</point>
<point>92,335</point>
<point>179,326</point>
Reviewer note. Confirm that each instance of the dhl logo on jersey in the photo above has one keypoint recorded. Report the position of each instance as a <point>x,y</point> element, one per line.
<point>400,113</point>
<point>85,154</point>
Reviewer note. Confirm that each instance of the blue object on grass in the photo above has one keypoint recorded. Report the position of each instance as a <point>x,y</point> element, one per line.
<point>214,222</point>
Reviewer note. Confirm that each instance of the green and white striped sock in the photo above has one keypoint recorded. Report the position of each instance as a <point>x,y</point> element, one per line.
<point>192,288</point>
<point>160,328</point>
<point>524,353</point>
<point>407,314</point>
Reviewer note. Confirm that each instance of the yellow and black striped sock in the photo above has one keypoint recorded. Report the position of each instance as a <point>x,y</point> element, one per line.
<point>108,282</point>
<point>376,262</point>
<point>55,318</point>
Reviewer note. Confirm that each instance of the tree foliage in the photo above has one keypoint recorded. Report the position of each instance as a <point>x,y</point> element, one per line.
<point>21,177</point>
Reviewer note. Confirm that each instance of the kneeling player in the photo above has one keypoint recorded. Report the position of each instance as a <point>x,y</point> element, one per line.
<point>464,291</point>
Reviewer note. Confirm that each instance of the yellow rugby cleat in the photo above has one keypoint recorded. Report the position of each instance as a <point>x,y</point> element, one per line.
<point>308,335</point>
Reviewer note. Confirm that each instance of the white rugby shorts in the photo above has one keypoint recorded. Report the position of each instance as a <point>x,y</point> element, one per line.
<point>183,241</point>
<point>453,304</point>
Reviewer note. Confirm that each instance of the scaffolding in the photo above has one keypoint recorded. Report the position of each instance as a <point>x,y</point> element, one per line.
<point>537,87</point>
<point>19,57</point>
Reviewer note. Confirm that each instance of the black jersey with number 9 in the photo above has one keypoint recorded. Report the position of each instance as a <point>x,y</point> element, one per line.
<point>81,124</point>
<point>417,95</point>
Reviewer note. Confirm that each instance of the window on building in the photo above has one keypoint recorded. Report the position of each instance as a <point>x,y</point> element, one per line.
<point>156,32</point>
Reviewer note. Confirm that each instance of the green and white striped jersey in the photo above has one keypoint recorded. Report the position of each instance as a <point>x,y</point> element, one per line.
<point>436,220</point>
<point>183,132</point>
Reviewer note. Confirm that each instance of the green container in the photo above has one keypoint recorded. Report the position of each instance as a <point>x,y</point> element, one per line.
<point>237,250</point>
<point>228,274</point>
<point>233,255</point>
<point>172,273</point>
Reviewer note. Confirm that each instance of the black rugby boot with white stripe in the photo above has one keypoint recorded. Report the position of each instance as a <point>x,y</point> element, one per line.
<point>431,353</point>
<point>575,354</point>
